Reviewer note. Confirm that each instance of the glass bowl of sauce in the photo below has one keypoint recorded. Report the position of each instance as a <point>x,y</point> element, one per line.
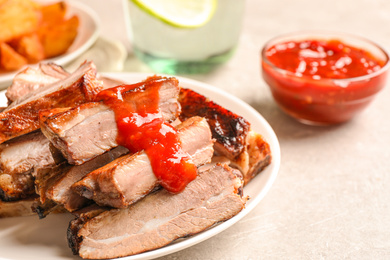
<point>323,78</point>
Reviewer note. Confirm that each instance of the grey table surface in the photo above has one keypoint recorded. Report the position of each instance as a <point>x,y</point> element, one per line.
<point>331,197</point>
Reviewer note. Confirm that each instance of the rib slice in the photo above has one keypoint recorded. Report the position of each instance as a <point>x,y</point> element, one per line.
<point>228,129</point>
<point>18,158</point>
<point>160,218</point>
<point>247,150</point>
<point>54,183</point>
<point>88,130</point>
<point>31,79</point>
<point>255,157</point>
<point>129,178</point>
<point>21,116</point>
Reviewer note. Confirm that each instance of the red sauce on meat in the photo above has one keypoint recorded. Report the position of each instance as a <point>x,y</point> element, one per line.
<point>142,127</point>
<point>319,81</point>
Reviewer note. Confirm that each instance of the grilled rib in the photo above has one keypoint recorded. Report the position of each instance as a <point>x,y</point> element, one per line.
<point>18,158</point>
<point>88,130</point>
<point>160,218</point>
<point>21,116</point>
<point>129,178</point>
<point>31,79</point>
<point>247,150</point>
<point>54,183</point>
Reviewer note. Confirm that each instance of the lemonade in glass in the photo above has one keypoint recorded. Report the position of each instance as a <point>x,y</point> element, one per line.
<point>172,47</point>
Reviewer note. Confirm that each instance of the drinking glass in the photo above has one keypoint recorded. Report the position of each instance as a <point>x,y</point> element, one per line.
<point>173,50</point>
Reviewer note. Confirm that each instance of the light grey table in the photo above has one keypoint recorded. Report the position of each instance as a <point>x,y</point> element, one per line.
<point>331,199</point>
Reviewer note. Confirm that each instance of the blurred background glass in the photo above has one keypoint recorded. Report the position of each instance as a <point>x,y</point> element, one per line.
<point>169,49</point>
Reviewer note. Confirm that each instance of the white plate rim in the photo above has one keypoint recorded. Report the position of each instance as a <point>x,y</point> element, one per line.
<point>77,48</point>
<point>269,173</point>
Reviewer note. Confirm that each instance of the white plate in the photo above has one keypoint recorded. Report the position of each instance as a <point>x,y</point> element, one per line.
<point>88,32</point>
<point>30,238</point>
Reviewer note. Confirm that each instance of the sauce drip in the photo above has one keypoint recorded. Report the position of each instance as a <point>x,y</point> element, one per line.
<point>142,127</point>
<point>331,59</point>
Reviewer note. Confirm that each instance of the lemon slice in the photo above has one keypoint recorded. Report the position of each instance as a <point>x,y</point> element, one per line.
<point>180,13</point>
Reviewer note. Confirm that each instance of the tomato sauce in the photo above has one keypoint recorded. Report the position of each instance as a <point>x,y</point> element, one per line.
<point>320,79</point>
<point>142,127</point>
<point>323,59</point>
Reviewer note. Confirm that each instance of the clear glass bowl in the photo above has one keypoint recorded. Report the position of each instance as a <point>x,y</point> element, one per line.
<point>324,101</point>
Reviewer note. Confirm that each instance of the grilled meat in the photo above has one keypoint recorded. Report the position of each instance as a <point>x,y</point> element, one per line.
<point>228,129</point>
<point>18,158</point>
<point>246,149</point>
<point>54,183</point>
<point>77,124</point>
<point>129,178</point>
<point>88,130</point>
<point>21,116</point>
<point>255,157</point>
<point>160,218</point>
<point>31,79</point>
<point>42,210</point>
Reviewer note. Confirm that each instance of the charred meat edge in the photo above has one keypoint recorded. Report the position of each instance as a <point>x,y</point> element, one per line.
<point>42,210</point>
<point>228,129</point>
<point>246,150</point>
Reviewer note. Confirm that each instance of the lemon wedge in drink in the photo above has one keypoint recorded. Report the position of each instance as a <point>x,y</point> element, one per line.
<point>180,13</point>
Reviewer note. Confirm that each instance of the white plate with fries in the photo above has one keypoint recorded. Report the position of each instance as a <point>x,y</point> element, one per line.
<point>87,34</point>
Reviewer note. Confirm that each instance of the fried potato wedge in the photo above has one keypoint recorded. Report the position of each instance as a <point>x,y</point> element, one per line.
<point>17,18</point>
<point>53,12</point>
<point>30,47</point>
<point>10,59</point>
<point>57,38</point>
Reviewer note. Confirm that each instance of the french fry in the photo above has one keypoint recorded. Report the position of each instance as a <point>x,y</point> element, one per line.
<point>10,59</point>
<point>53,12</point>
<point>30,47</point>
<point>17,18</point>
<point>56,39</point>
